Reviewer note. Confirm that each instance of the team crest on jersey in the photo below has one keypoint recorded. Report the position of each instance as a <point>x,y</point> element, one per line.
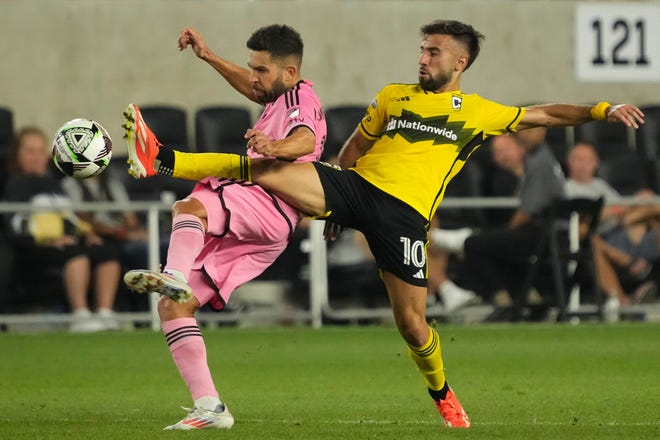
<point>456,102</point>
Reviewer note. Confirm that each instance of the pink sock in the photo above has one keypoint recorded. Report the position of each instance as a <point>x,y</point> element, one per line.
<point>189,354</point>
<point>186,242</point>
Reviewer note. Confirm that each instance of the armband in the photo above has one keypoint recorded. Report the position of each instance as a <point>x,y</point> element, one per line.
<point>599,111</point>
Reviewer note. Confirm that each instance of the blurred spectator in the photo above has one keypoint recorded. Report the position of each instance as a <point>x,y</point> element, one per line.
<point>56,237</point>
<point>503,180</point>
<point>123,228</point>
<point>628,243</point>
<point>492,256</point>
<point>505,176</point>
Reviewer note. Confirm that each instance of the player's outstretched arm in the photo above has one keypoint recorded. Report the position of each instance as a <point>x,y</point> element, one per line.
<point>566,114</point>
<point>238,77</point>
<point>354,148</point>
<point>299,142</point>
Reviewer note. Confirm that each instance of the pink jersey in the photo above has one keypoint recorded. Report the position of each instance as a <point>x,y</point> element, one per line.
<point>293,108</point>
<point>247,226</point>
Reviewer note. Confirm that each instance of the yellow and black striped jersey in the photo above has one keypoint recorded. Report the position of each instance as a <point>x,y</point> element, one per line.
<point>422,139</point>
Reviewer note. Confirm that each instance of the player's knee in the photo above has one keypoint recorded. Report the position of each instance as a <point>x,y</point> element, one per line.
<point>414,331</point>
<point>190,206</point>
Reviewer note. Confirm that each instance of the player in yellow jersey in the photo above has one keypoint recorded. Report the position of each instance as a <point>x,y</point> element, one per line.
<point>412,140</point>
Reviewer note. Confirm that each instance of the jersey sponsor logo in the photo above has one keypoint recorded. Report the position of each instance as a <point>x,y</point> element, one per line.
<point>415,128</point>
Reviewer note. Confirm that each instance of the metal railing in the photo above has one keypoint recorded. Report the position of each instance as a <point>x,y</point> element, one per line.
<point>318,286</point>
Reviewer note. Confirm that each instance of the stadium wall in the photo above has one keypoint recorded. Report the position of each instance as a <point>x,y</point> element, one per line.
<point>89,58</point>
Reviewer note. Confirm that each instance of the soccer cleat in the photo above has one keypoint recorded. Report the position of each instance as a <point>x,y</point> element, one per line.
<point>452,411</point>
<point>198,418</point>
<point>146,281</point>
<point>141,143</point>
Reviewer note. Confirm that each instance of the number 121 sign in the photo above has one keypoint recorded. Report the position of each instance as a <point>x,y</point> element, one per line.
<point>617,41</point>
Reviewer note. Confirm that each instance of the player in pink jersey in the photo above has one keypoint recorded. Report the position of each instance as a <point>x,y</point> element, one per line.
<point>227,232</point>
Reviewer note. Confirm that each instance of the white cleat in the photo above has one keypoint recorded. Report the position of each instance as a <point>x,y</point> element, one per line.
<point>198,418</point>
<point>147,281</point>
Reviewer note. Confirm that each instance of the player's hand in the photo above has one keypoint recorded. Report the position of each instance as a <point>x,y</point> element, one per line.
<point>259,142</point>
<point>331,231</point>
<point>627,114</point>
<point>190,37</point>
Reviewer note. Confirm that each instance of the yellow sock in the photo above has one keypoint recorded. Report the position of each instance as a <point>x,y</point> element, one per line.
<point>428,358</point>
<point>196,166</point>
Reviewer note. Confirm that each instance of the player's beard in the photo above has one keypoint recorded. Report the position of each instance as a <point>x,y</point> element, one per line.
<point>435,82</point>
<point>275,91</point>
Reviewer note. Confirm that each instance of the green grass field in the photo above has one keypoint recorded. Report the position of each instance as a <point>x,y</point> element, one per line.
<point>516,382</point>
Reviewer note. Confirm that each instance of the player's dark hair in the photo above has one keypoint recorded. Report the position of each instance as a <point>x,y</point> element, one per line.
<point>280,40</point>
<point>460,31</point>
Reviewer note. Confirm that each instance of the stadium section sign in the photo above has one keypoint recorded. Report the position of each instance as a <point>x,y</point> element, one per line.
<point>617,41</point>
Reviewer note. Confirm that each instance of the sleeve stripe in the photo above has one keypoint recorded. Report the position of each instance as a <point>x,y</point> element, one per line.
<point>364,131</point>
<point>292,97</point>
<point>508,127</point>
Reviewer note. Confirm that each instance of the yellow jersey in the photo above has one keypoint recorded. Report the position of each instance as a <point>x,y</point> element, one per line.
<point>422,140</point>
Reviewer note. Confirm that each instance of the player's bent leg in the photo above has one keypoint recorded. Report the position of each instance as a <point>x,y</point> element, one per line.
<point>409,308</point>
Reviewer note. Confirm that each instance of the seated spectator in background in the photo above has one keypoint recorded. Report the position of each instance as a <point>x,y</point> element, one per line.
<point>503,180</point>
<point>628,241</point>
<point>57,237</point>
<point>505,176</point>
<point>120,227</point>
<point>491,255</point>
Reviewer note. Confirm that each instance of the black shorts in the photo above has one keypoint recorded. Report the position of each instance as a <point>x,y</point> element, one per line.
<point>396,233</point>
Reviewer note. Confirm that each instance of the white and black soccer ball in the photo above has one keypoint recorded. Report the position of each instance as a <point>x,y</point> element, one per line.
<point>81,148</point>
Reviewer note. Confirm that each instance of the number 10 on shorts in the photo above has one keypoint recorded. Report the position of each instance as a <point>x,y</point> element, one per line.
<point>413,252</point>
<point>617,41</point>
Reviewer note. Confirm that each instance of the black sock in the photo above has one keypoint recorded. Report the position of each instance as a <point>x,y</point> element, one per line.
<point>440,394</point>
<point>164,163</point>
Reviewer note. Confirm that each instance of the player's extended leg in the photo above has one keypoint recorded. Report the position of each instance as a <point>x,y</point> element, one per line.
<point>189,354</point>
<point>297,183</point>
<point>409,307</point>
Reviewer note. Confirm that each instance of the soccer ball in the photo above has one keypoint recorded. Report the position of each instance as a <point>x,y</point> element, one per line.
<point>81,148</point>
